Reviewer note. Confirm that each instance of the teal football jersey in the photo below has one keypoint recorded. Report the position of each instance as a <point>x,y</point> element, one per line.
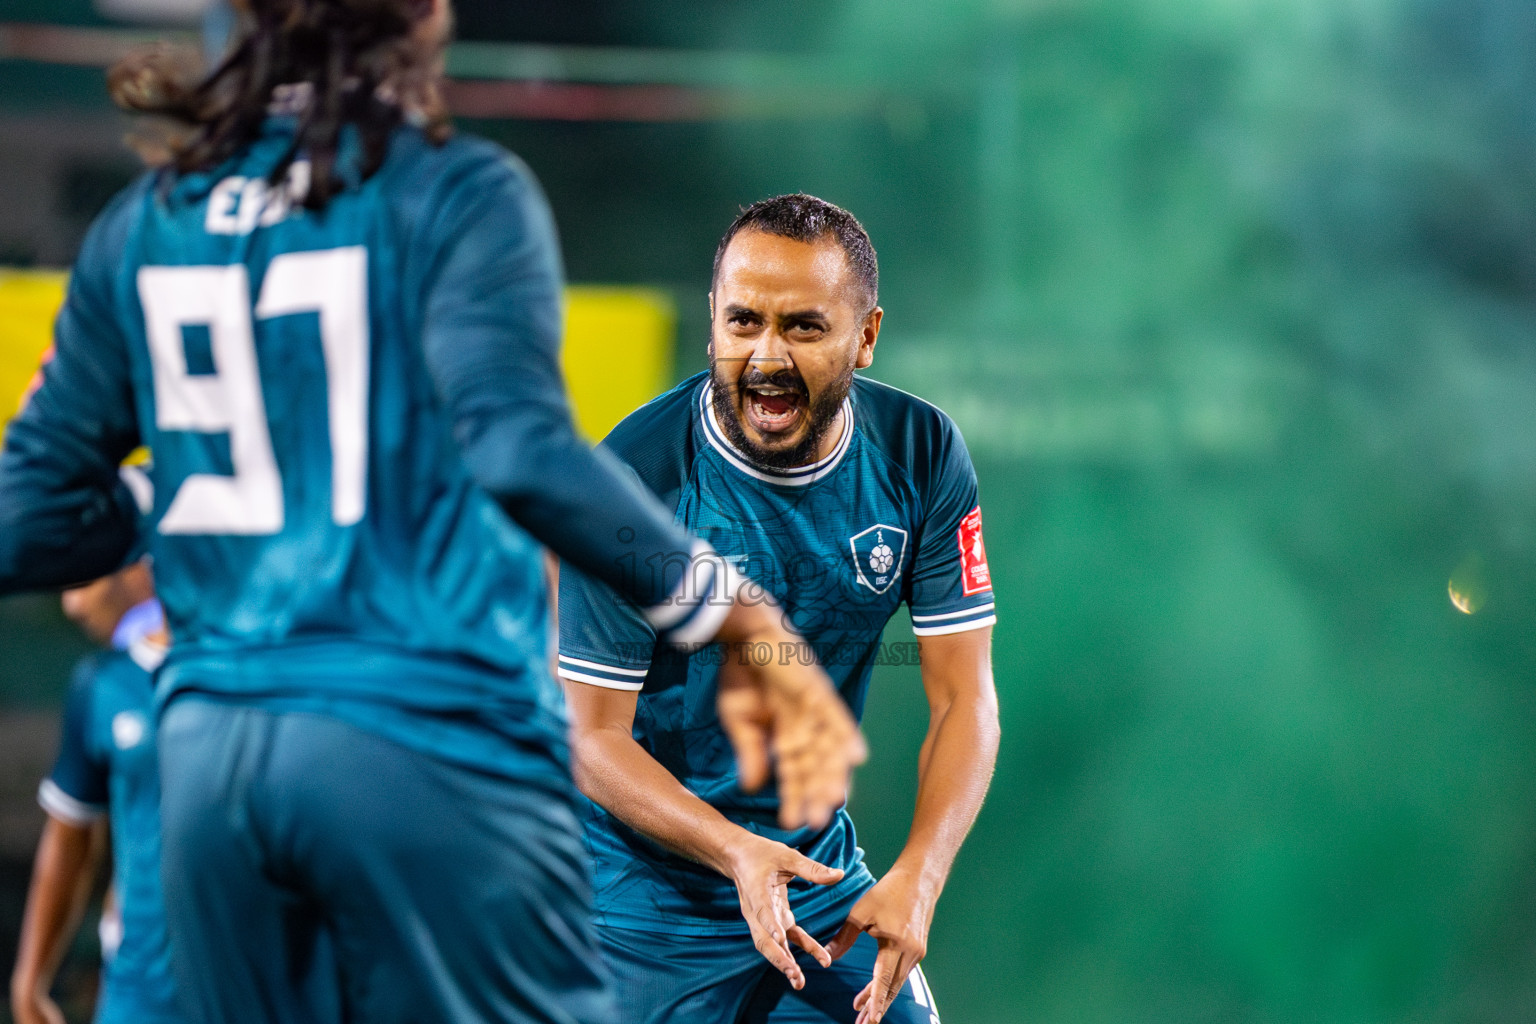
<point>361,441</point>
<point>106,765</point>
<point>890,516</point>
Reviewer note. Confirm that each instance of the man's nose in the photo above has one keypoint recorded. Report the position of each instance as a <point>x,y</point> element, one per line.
<point>771,353</point>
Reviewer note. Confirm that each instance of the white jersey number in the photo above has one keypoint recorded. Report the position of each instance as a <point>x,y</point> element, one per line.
<point>332,283</point>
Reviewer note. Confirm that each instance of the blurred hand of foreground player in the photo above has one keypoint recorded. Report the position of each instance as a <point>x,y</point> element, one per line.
<point>785,713</point>
<point>897,912</point>
<point>761,870</point>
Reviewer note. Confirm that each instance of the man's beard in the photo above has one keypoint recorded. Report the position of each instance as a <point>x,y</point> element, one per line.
<point>822,413</point>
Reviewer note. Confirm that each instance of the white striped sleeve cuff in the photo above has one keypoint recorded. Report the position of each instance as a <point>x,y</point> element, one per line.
<point>66,808</point>
<point>703,597</point>
<point>611,677</point>
<point>940,623</point>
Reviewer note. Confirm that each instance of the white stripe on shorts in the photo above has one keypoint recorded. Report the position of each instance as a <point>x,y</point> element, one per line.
<point>923,994</point>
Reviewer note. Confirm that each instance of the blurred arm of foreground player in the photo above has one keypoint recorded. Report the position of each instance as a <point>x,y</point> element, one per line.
<point>491,340</point>
<point>63,872</point>
<point>954,770</point>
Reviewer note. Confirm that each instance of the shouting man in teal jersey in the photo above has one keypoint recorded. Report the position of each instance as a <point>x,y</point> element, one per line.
<point>844,498</point>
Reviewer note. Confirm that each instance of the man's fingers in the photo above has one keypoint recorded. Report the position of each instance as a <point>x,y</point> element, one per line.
<point>752,765</point>
<point>892,969</point>
<point>814,871</point>
<point>792,772</point>
<point>742,719</point>
<point>771,941</point>
<point>803,780</point>
<point>886,963</point>
<point>863,1003</point>
<point>898,979</point>
<point>846,936</point>
<point>788,719</point>
<point>802,938</point>
<point>777,953</point>
<point>816,747</point>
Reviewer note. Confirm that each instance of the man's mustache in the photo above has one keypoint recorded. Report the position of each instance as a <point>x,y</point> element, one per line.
<point>783,378</point>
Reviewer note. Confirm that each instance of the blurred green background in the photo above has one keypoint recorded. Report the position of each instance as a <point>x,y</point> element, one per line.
<point>1235,303</point>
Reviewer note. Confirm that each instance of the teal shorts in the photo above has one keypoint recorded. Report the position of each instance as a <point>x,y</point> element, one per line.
<point>663,977</point>
<point>315,872</point>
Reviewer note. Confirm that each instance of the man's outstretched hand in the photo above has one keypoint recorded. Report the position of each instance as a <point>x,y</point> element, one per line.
<point>761,870</point>
<point>785,717</point>
<point>897,912</point>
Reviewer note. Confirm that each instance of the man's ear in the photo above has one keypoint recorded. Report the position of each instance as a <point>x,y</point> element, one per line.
<point>868,335</point>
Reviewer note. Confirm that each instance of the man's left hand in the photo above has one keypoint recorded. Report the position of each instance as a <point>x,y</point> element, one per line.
<point>897,912</point>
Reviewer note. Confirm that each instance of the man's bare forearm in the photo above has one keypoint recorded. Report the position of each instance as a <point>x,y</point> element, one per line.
<point>958,756</point>
<point>616,772</point>
<point>62,875</point>
<point>954,773</point>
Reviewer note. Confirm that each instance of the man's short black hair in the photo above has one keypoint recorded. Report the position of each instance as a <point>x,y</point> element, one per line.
<point>808,219</point>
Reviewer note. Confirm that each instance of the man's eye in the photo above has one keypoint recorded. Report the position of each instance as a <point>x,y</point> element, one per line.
<point>806,328</point>
<point>743,320</point>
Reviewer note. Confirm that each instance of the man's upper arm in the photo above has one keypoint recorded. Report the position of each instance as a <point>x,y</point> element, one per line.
<point>605,653</point>
<point>595,708</point>
<point>957,666</point>
<point>65,516</point>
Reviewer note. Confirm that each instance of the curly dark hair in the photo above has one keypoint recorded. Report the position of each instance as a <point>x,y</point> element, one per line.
<point>361,62</point>
<point>808,219</point>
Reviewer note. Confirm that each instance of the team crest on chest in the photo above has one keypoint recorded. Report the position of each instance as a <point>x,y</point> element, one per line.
<point>877,556</point>
<point>128,728</point>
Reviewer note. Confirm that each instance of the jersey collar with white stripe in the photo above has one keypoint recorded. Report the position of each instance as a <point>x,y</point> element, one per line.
<point>798,476</point>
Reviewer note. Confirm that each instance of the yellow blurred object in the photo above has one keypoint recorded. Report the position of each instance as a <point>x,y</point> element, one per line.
<point>29,300</point>
<point>618,352</point>
<point>618,344</point>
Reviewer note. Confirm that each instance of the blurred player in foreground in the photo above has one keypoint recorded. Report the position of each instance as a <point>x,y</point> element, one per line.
<point>337,328</point>
<point>105,770</point>
<point>846,498</point>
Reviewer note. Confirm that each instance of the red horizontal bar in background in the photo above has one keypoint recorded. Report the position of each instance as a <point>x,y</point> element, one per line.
<point>526,99</point>
<point>553,101</point>
<point>83,47</point>
<point>564,101</point>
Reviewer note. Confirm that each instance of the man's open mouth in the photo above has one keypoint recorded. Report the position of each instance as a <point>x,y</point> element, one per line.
<point>773,410</point>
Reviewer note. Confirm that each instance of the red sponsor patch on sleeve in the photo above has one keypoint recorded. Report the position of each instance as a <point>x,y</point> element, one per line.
<point>974,574</point>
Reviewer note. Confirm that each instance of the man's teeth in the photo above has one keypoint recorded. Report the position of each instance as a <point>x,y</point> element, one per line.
<point>788,404</point>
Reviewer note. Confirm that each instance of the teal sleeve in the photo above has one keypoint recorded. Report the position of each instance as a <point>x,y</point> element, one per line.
<point>951,584</point>
<point>76,791</point>
<point>492,343</point>
<point>604,640</point>
<point>65,516</point>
